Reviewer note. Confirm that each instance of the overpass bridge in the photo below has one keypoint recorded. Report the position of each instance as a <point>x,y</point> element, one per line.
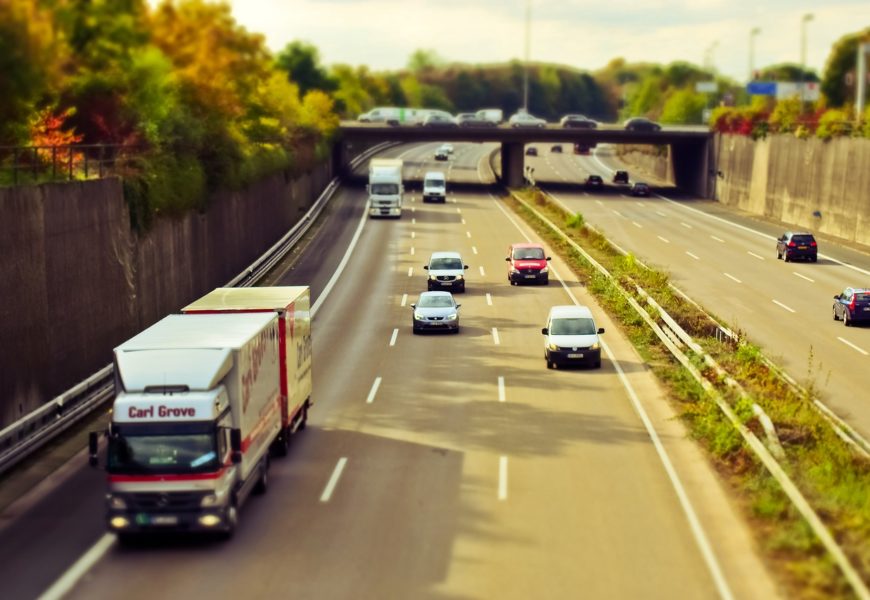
<point>691,147</point>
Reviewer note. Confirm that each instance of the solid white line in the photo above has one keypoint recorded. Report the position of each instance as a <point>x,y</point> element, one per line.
<point>333,480</point>
<point>482,272</point>
<point>755,255</point>
<point>665,240</point>
<point>803,277</point>
<point>495,338</point>
<point>688,509</point>
<point>730,276</point>
<point>717,239</point>
<point>410,271</point>
<point>344,260</point>
<point>693,255</point>
<point>636,224</point>
<point>393,337</point>
<point>848,343</point>
<point>372,392</point>
<point>474,249</point>
<point>501,389</point>
<point>404,299</point>
<point>686,225</point>
<point>489,299</point>
<point>468,234</point>
<point>412,250</point>
<point>789,309</point>
<point>502,478</point>
<point>70,578</point>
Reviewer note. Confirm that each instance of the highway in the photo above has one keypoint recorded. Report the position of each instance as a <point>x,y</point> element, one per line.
<point>436,466</point>
<point>727,262</point>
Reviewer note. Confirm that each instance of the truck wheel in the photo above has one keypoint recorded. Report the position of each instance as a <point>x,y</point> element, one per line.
<point>262,485</point>
<point>279,446</point>
<point>304,422</point>
<point>232,520</point>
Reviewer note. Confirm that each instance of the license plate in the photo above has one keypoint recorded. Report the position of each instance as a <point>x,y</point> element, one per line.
<point>384,212</point>
<point>530,276</point>
<point>446,283</point>
<point>867,308</point>
<point>577,355</point>
<point>164,520</point>
<point>802,247</point>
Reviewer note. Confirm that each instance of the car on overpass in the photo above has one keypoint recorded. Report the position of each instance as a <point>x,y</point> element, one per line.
<point>435,311</point>
<point>528,120</point>
<point>852,305</point>
<point>641,124</point>
<point>577,122</point>
<point>439,120</point>
<point>474,120</point>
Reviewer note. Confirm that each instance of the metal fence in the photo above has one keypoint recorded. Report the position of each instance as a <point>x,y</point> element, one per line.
<point>35,164</point>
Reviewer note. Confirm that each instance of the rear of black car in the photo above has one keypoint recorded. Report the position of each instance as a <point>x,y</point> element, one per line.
<point>801,246</point>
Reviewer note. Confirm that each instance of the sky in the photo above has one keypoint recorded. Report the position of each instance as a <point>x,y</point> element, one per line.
<point>579,33</point>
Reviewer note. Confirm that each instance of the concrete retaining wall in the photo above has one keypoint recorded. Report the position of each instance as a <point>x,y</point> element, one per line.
<point>76,281</point>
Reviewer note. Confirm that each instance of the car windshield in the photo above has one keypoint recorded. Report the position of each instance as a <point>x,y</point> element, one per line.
<point>802,239</point>
<point>528,254</point>
<point>572,326</point>
<point>137,450</point>
<point>385,189</point>
<point>438,301</point>
<point>443,264</point>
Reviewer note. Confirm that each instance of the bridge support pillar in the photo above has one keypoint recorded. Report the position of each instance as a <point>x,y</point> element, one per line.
<point>692,165</point>
<point>340,160</point>
<point>512,162</point>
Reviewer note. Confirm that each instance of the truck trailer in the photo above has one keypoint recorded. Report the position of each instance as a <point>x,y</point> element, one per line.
<point>385,187</point>
<point>198,406</point>
<point>292,304</point>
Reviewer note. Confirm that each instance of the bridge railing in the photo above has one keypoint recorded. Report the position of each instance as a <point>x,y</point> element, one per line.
<point>72,162</point>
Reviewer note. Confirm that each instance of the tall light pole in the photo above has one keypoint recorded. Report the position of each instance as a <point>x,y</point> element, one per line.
<point>804,20</point>
<point>708,57</point>
<point>526,66</point>
<point>752,33</point>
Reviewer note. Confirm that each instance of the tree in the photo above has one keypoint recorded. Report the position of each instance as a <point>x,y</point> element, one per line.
<point>838,83</point>
<point>684,106</point>
<point>301,61</point>
<point>423,61</point>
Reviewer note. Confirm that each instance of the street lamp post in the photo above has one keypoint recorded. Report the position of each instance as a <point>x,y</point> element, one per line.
<point>804,20</point>
<point>526,66</point>
<point>752,33</point>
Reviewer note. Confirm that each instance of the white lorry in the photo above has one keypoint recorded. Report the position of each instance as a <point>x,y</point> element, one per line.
<point>198,406</point>
<point>493,115</point>
<point>394,115</point>
<point>385,187</point>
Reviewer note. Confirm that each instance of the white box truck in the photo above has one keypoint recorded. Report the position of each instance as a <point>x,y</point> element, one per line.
<point>385,187</point>
<point>434,187</point>
<point>292,304</point>
<point>197,408</point>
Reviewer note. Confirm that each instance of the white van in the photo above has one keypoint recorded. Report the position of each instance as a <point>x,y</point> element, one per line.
<point>434,187</point>
<point>571,338</point>
<point>493,115</point>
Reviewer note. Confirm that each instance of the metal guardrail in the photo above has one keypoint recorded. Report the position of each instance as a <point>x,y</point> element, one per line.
<point>32,431</point>
<point>71,162</point>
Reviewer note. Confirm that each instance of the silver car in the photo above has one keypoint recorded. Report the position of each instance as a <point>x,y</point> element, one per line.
<point>435,311</point>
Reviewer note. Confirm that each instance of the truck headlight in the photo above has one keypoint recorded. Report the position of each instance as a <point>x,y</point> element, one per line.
<point>545,270</point>
<point>116,502</point>
<point>209,500</point>
<point>595,346</point>
<point>433,278</point>
<point>552,346</point>
<point>460,277</point>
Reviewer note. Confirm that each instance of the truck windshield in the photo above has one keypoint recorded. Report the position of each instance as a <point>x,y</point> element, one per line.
<point>385,189</point>
<point>528,254</point>
<point>445,264</point>
<point>158,449</point>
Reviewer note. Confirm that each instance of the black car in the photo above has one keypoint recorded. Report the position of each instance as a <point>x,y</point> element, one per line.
<point>556,149</point>
<point>797,245</point>
<point>640,189</point>
<point>641,124</point>
<point>581,149</point>
<point>578,122</point>
<point>531,151</point>
<point>594,181</point>
<point>852,305</point>
<point>621,177</point>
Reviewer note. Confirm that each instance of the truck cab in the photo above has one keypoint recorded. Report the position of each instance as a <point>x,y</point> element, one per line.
<point>385,187</point>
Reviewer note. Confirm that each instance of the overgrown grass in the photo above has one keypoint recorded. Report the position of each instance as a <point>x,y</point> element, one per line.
<point>830,475</point>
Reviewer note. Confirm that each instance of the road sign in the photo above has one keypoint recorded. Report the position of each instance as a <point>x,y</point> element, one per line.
<point>792,89</point>
<point>706,87</point>
<point>761,88</point>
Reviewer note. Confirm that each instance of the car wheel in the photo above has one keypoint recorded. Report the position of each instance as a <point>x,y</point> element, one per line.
<point>554,365</point>
<point>549,364</point>
<point>778,255</point>
<point>415,330</point>
<point>462,288</point>
<point>815,259</point>
<point>262,485</point>
<point>846,320</point>
<point>545,281</point>
<point>597,364</point>
<point>785,257</point>
<point>232,519</point>
<point>834,312</point>
<point>456,330</point>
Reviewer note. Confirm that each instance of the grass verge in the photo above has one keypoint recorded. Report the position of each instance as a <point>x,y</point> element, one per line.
<point>829,474</point>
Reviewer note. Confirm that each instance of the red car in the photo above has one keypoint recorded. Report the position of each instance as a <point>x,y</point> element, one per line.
<point>527,263</point>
